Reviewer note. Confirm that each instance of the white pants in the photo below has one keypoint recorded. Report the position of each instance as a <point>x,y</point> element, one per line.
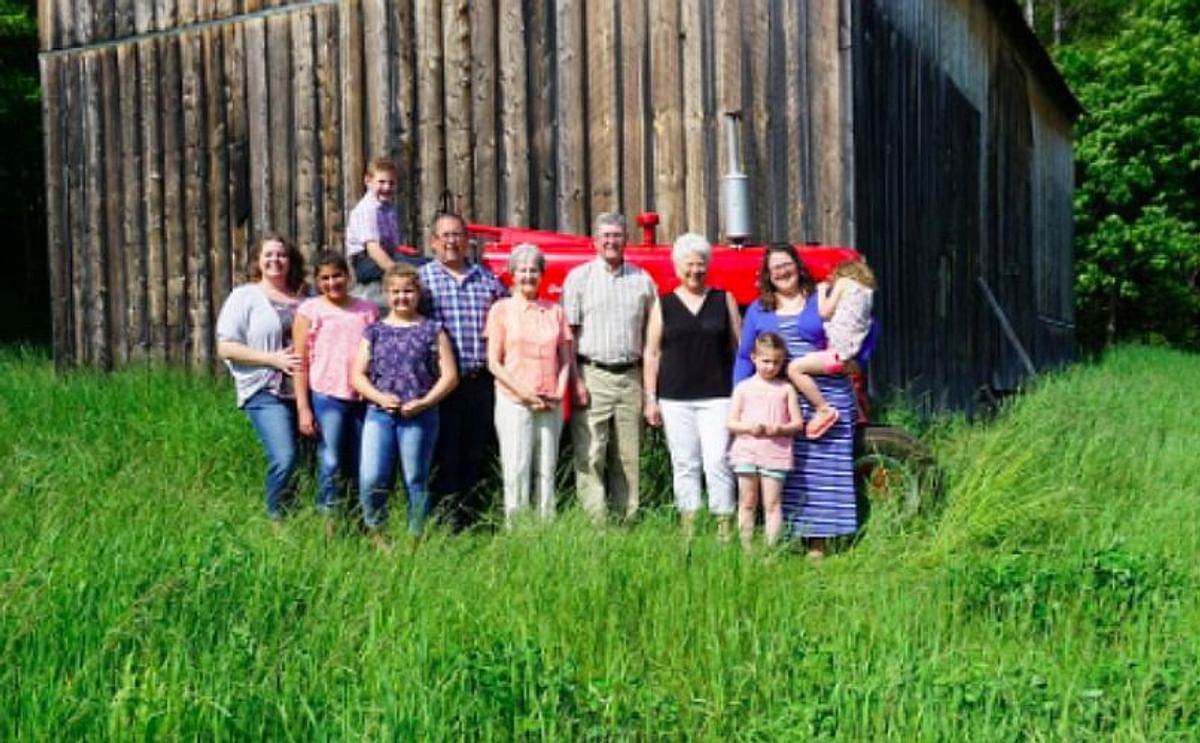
<point>697,439</point>
<point>528,454</point>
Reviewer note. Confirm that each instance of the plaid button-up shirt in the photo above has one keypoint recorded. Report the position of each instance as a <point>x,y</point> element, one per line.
<point>461,307</point>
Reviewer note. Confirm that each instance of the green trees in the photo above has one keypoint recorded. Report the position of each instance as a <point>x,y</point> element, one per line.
<point>26,305</point>
<point>1137,203</point>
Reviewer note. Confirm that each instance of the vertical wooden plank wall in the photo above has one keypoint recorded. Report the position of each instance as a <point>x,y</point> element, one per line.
<point>666,101</point>
<point>178,130</point>
<point>456,41</point>
<point>482,23</point>
<point>514,116</point>
<point>631,20</point>
<point>569,117</point>
<point>429,162</point>
<point>603,142</point>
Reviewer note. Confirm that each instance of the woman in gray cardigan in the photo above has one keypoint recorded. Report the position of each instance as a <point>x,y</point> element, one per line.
<point>254,332</point>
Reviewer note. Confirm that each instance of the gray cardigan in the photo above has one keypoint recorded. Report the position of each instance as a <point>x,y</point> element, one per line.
<point>247,317</point>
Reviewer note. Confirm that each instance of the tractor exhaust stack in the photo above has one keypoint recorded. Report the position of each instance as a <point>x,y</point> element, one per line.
<point>735,186</point>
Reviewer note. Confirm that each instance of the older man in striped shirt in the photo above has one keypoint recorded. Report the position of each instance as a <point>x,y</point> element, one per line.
<point>607,301</point>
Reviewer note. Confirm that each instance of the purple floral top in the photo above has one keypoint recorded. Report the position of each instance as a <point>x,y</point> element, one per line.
<point>404,358</point>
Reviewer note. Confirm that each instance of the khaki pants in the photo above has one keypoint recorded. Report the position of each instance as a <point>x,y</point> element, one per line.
<point>607,436</point>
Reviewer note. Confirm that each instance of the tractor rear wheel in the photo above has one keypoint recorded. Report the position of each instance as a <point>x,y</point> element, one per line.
<point>894,467</point>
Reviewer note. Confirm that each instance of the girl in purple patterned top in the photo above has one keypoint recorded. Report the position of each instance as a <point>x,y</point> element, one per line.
<point>405,366</point>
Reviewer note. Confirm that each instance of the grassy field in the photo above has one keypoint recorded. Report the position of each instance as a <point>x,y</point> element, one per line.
<point>143,595</point>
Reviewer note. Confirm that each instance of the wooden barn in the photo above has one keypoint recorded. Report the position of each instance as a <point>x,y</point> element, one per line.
<point>933,135</point>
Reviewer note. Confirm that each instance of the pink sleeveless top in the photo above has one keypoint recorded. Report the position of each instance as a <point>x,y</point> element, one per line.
<point>763,402</point>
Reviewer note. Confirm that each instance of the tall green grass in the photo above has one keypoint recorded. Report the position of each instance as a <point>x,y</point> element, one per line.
<point>1052,596</point>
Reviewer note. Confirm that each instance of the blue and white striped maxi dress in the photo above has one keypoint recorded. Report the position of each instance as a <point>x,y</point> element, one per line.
<point>818,495</point>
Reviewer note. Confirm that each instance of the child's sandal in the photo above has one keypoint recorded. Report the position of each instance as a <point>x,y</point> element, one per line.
<point>821,422</point>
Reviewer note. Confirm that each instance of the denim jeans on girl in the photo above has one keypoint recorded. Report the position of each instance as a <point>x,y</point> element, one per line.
<point>274,419</point>
<point>386,437</point>
<point>339,424</point>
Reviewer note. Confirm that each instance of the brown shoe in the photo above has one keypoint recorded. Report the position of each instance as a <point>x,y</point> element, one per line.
<point>381,541</point>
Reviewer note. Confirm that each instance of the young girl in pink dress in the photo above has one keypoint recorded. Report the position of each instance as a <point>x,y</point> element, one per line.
<point>326,335</point>
<point>764,416</point>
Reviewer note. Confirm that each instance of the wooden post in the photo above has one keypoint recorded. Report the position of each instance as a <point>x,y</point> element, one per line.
<point>186,12</point>
<point>143,16</point>
<point>175,245</point>
<point>697,122</point>
<point>350,46</point>
<point>456,41</point>
<point>75,255</point>
<point>484,60</point>
<point>123,20</point>
<point>376,93</point>
<point>825,114</point>
<point>306,154</point>
<point>113,205</point>
<point>83,21</point>
<point>48,30</point>
<point>199,325</point>
<point>756,142</point>
<point>133,234</point>
<point>632,82</point>
<point>431,142</point>
<point>667,101</point>
<point>603,105</point>
<point>282,132</point>
<point>539,35</point>
<point>57,231</point>
<point>330,210</point>
<point>91,168</point>
<point>152,181</point>
<point>102,20</point>
<point>795,46</point>
<point>727,56</point>
<point>258,126</point>
<point>237,150</point>
<point>572,128</point>
<point>512,92</point>
<point>403,107</point>
<point>165,16</point>
<point>64,15</point>
<point>216,190</point>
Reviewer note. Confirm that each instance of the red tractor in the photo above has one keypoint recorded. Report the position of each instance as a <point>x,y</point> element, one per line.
<point>891,464</point>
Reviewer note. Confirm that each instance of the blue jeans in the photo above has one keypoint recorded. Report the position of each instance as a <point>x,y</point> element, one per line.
<point>385,437</point>
<point>340,428</point>
<point>274,420</point>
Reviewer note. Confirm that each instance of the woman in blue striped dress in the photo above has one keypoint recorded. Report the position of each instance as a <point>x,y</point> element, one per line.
<point>818,497</point>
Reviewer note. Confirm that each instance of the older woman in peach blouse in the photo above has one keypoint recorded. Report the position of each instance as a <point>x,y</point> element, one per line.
<point>529,345</point>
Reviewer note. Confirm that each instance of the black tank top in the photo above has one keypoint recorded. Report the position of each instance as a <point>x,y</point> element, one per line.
<point>697,354</point>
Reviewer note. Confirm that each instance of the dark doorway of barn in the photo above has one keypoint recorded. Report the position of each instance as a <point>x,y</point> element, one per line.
<point>917,207</point>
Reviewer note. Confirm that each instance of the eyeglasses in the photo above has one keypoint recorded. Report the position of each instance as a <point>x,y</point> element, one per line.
<point>781,269</point>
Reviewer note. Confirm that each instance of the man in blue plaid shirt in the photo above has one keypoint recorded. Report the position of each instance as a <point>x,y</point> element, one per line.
<point>458,294</point>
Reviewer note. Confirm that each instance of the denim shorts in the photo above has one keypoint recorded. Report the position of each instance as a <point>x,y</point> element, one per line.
<point>754,469</point>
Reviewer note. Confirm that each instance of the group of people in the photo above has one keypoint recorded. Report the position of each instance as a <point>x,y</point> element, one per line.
<point>429,364</point>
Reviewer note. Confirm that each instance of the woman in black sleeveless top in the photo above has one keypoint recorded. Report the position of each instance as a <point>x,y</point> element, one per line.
<point>691,338</point>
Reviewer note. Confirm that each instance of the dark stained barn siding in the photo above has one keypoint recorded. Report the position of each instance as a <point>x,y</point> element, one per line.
<point>947,166</point>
